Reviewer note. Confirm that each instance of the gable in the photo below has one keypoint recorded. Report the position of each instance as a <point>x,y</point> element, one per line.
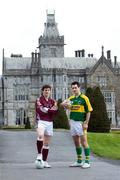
<point>103,64</point>
<point>102,68</point>
<point>102,76</point>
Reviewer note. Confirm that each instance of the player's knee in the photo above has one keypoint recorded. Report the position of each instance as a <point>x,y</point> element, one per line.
<point>40,137</point>
<point>46,146</point>
<point>84,144</point>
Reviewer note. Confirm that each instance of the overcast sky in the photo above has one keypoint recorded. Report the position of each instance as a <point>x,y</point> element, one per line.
<point>85,24</point>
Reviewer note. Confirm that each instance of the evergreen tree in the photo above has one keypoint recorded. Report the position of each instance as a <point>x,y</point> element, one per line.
<point>27,124</point>
<point>99,121</point>
<point>61,120</point>
<point>89,94</point>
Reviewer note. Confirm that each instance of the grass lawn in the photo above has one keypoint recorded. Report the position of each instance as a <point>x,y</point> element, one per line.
<point>105,144</point>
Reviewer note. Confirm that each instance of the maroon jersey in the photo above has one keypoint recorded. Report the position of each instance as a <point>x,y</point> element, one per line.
<point>45,109</point>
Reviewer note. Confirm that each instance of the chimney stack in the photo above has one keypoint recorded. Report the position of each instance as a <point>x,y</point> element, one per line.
<point>80,53</point>
<point>32,56</point>
<point>115,61</point>
<point>109,55</point>
<point>90,55</point>
<point>83,52</point>
<point>77,53</point>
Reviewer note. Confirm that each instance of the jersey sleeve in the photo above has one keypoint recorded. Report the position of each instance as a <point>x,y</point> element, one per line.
<point>40,107</point>
<point>54,107</point>
<point>88,107</point>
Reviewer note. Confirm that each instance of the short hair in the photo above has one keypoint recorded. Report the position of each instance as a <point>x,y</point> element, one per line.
<point>75,83</point>
<point>45,87</point>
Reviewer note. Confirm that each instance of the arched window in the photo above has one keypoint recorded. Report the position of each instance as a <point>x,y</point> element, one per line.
<point>21,116</point>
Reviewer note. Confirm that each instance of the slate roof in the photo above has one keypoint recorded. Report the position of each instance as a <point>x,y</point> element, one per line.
<point>60,63</point>
<point>17,63</point>
<point>68,63</point>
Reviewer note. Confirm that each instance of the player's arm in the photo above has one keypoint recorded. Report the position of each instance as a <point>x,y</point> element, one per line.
<point>41,107</point>
<point>85,125</point>
<point>88,109</point>
<point>86,122</point>
<point>66,104</point>
<point>63,103</point>
<point>54,108</point>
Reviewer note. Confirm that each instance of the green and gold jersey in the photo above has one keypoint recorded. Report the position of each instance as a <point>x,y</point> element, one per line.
<point>80,105</point>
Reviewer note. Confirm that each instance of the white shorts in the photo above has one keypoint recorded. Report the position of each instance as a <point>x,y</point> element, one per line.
<point>48,127</point>
<point>76,128</point>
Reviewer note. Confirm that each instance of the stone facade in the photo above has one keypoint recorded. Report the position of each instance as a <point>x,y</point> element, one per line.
<point>23,78</point>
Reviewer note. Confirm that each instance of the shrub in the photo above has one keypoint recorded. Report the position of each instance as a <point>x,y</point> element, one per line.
<point>99,121</point>
<point>61,120</point>
<point>27,124</point>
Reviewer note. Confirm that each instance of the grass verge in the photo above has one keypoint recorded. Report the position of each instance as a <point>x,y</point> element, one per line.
<point>105,144</point>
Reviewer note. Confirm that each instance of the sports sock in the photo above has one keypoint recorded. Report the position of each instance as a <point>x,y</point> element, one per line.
<point>39,146</point>
<point>87,154</point>
<point>45,152</point>
<point>79,154</point>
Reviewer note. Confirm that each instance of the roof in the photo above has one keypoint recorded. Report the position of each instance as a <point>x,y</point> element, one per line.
<point>17,63</point>
<point>102,60</point>
<point>50,63</point>
<point>68,63</point>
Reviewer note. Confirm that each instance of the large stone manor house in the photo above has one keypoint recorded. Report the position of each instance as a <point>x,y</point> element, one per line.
<point>23,77</point>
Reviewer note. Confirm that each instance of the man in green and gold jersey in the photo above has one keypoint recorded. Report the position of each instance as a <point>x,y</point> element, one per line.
<point>80,109</point>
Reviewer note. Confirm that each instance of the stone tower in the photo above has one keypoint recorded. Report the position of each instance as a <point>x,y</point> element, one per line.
<point>51,44</point>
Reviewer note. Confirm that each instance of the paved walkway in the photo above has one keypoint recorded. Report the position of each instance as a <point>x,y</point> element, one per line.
<point>18,152</point>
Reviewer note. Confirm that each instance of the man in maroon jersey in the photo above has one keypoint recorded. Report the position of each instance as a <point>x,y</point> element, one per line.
<point>46,109</point>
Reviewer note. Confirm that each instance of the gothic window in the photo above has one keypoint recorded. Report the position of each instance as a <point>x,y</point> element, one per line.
<point>53,52</point>
<point>108,97</point>
<point>21,93</point>
<point>26,97</point>
<point>109,114</point>
<point>64,78</point>
<point>45,79</point>
<point>81,79</point>
<point>21,116</point>
<point>102,80</point>
<point>74,78</point>
<point>23,97</point>
<point>59,79</point>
